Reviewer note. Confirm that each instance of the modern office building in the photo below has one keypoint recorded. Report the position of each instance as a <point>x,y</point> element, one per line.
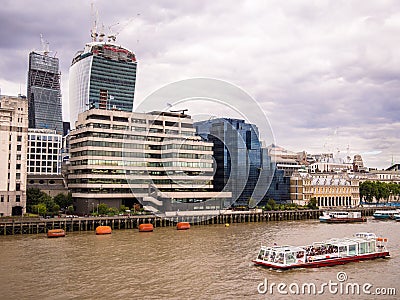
<point>44,94</point>
<point>103,76</point>
<point>239,158</point>
<point>330,190</point>
<point>44,152</point>
<point>13,153</point>
<point>120,158</point>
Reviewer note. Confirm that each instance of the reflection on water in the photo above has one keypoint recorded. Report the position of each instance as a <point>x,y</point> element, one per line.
<point>205,262</point>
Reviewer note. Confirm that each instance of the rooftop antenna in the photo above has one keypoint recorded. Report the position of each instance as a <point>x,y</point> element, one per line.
<point>45,45</point>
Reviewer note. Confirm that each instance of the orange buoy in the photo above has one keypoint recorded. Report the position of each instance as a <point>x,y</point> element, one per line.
<point>103,230</point>
<point>183,225</point>
<point>148,227</point>
<point>54,233</point>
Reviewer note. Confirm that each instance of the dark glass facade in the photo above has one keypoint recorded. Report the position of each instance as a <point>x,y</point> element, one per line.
<point>44,94</point>
<point>239,159</point>
<point>102,76</point>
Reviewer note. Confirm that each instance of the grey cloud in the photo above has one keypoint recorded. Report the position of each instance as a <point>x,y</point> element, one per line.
<point>312,66</point>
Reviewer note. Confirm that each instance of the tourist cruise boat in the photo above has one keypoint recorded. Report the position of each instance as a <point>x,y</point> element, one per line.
<point>385,214</point>
<point>363,246</point>
<point>341,217</point>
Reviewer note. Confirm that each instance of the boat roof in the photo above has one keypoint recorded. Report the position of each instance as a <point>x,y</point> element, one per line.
<point>285,248</point>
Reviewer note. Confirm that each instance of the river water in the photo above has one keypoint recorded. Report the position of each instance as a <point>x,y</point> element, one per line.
<point>205,262</point>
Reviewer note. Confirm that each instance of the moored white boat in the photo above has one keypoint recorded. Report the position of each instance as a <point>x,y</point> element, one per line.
<point>386,214</point>
<point>397,217</point>
<point>363,246</point>
<point>341,217</point>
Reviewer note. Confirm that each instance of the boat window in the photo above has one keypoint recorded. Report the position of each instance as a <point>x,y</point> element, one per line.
<point>279,258</point>
<point>261,254</point>
<point>352,250</point>
<point>290,259</point>
<point>363,248</point>
<point>272,256</point>
<point>372,247</point>
<point>343,250</point>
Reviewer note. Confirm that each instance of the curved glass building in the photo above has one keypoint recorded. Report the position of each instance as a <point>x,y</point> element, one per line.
<point>103,76</point>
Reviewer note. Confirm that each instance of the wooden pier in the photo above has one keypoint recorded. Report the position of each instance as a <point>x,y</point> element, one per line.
<point>13,226</point>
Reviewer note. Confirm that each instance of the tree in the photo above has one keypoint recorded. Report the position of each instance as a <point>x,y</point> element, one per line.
<point>40,209</point>
<point>271,204</point>
<point>32,198</point>
<point>103,209</point>
<point>367,191</point>
<point>112,211</point>
<point>312,204</point>
<point>63,200</point>
<point>70,209</point>
<point>383,191</point>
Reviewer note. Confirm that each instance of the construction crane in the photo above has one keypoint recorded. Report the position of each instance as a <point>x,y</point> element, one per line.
<point>45,45</point>
<point>113,36</point>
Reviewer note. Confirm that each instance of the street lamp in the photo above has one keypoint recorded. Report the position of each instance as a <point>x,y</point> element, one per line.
<point>97,209</point>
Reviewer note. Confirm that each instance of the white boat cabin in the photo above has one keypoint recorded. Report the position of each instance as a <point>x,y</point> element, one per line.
<point>363,243</point>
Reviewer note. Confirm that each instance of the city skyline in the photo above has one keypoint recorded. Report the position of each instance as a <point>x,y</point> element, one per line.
<point>325,74</point>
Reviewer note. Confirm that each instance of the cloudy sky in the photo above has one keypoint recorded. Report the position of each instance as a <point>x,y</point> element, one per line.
<point>325,73</point>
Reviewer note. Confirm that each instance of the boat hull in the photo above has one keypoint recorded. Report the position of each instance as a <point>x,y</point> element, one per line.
<point>379,217</point>
<point>344,220</point>
<point>325,262</point>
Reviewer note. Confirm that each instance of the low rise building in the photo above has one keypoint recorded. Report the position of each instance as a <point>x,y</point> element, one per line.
<point>13,153</point>
<point>121,158</point>
<point>330,190</point>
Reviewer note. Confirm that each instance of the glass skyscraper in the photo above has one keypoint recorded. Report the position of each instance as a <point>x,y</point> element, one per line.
<point>103,76</point>
<point>44,94</point>
<point>239,158</point>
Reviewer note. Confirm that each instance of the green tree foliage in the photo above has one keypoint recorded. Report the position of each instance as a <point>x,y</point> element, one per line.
<point>70,209</point>
<point>40,209</point>
<point>32,198</point>
<point>103,209</point>
<point>123,208</point>
<point>367,191</point>
<point>271,205</point>
<point>36,197</point>
<point>112,211</point>
<point>312,204</point>
<point>370,190</point>
<point>63,200</point>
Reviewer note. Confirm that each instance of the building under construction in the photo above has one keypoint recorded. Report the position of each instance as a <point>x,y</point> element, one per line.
<point>44,94</point>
